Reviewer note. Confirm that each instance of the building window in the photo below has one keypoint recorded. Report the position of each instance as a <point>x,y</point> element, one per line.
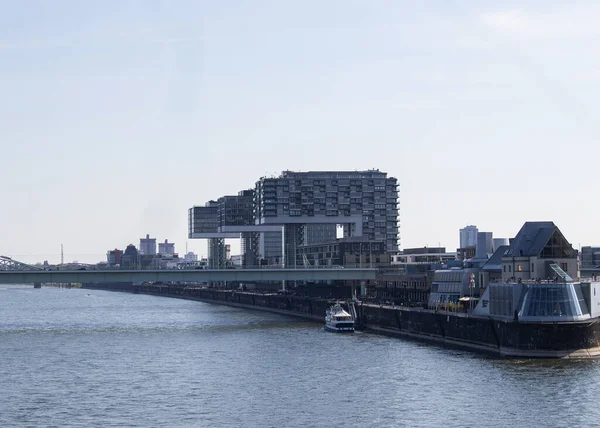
<point>532,267</point>
<point>504,268</point>
<point>519,268</point>
<point>510,268</point>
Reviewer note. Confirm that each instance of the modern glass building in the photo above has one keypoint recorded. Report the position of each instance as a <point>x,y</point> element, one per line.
<point>590,257</point>
<point>302,208</point>
<point>364,203</point>
<point>203,219</point>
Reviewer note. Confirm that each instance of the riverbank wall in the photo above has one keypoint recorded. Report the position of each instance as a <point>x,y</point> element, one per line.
<point>413,323</point>
<point>455,329</point>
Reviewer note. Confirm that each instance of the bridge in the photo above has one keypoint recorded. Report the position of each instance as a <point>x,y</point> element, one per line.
<point>28,276</point>
<point>6,263</point>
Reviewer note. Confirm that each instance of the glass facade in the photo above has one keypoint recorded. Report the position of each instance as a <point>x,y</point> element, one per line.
<point>203,219</point>
<point>554,300</point>
<point>236,210</point>
<point>501,300</point>
<point>310,205</point>
<point>270,247</point>
<point>334,196</point>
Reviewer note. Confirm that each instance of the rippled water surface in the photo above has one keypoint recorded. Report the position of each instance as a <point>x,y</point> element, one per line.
<point>92,358</point>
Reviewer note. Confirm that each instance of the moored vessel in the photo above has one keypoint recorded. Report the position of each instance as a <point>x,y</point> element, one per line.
<point>338,320</point>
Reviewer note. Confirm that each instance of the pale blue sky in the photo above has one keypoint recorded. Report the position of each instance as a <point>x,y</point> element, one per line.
<point>117,116</point>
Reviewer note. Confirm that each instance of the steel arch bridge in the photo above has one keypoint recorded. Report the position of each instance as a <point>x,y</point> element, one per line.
<point>7,263</point>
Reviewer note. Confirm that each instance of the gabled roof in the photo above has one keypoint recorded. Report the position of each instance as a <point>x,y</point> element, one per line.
<point>531,239</point>
<point>495,260</point>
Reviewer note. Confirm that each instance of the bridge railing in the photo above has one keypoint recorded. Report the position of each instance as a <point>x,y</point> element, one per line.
<point>60,268</point>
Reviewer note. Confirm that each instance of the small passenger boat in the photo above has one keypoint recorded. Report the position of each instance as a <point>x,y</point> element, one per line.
<point>337,319</point>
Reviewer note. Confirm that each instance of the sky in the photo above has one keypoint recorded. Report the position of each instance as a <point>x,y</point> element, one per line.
<point>118,116</point>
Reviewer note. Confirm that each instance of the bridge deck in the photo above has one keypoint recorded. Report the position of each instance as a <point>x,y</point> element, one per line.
<point>200,275</point>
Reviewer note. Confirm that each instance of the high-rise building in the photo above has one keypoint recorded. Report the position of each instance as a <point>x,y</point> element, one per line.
<point>148,246</point>
<point>300,208</point>
<point>468,236</point>
<point>166,248</point>
<point>364,203</point>
<point>213,220</point>
<point>485,246</point>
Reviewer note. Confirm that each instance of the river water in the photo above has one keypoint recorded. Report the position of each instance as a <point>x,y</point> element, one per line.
<point>72,357</point>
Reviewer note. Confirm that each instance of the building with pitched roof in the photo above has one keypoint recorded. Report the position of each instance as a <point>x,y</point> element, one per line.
<point>536,252</point>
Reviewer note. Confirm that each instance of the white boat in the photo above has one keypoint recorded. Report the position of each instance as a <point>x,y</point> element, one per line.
<point>337,319</point>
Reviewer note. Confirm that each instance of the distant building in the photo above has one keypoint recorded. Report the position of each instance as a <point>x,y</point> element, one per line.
<point>190,261</point>
<point>130,258</point>
<point>148,246</point>
<point>424,255</point>
<point>468,236</point>
<point>113,257</point>
<point>485,245</point>
<point>499,242</point>
<point>236,260</point>
<point>465,253</point>
<point>166,248</point>
<point>590,257</point>
<point>162,261</point>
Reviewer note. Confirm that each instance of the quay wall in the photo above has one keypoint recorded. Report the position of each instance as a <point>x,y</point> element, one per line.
<point>423,324</point>
<point>308,308</point>
<point>500,337</point>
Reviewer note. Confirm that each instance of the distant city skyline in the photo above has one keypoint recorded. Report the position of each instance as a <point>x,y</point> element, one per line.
<point>117,117</point>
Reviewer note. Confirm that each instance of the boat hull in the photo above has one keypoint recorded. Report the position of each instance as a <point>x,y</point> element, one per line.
<point>339,329</point>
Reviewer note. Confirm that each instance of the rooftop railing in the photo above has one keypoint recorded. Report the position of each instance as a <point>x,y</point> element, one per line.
<point>548,281</point>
